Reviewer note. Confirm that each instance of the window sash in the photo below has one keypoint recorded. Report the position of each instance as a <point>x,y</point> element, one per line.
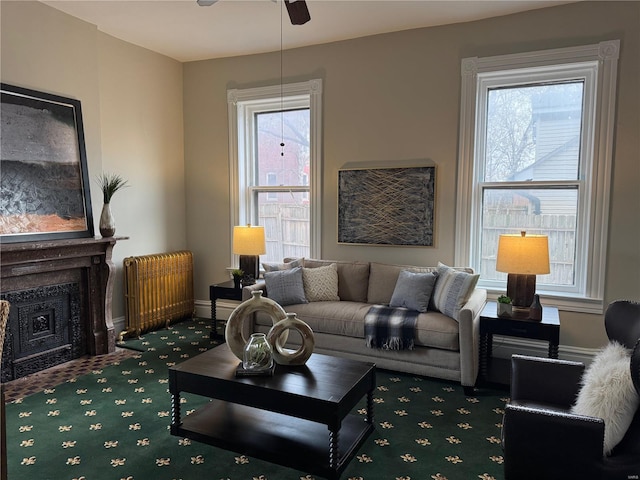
<point>243,104</point>
<point>597,64</point>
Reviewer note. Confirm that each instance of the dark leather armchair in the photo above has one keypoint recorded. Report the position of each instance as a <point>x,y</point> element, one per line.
<point>542,439</point>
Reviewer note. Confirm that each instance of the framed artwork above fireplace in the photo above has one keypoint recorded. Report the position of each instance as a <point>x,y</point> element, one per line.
<point>44,183</point>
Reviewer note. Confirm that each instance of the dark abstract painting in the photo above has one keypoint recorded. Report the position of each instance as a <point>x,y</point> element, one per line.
<point>45,192</point>
<point>386,206</point>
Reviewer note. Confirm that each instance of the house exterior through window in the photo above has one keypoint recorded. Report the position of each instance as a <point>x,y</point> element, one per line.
<point>275,160</point>
<point>535,156</point>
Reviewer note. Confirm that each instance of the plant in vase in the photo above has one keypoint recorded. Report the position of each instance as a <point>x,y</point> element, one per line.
<point>110,184</point>
<point>237,276</point>
<point>504,306</point>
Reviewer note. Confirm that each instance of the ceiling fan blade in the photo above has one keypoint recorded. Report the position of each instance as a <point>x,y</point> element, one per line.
<point>298,11</point>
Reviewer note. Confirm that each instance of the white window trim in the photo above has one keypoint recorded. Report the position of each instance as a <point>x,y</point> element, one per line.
<point>606,54</point>
<point>241,104</point>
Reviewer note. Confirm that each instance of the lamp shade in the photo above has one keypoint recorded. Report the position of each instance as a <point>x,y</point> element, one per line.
<point>523,254</point>
<point>248,240</point>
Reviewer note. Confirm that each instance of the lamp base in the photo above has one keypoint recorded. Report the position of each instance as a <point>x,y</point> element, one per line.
<point>521,289</point>
<point>250,265</point>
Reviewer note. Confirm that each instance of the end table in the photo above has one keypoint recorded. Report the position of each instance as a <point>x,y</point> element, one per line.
<point>219,291</point>
<point>516,325</point>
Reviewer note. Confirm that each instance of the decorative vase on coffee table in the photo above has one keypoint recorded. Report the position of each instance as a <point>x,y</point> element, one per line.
<point>257,355</point>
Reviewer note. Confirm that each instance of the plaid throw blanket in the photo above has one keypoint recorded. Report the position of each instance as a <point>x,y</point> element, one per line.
<point>390,328</point>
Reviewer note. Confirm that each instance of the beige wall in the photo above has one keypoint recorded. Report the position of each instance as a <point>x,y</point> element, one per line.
<point>132,111</point>
<point>388,98</point>
<point>395,97</point>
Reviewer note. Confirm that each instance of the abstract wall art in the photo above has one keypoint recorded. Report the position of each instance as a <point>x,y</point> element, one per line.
<point>44,182</point>
<point>387,206</point>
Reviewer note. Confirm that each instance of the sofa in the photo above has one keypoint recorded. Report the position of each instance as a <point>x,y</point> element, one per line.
<point>334,297</point>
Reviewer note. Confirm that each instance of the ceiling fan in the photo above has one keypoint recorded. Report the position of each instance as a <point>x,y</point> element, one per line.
<point>297,9</point>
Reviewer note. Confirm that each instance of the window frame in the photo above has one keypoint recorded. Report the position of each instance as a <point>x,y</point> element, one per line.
<point>242,105</point>
<point>599,60</point>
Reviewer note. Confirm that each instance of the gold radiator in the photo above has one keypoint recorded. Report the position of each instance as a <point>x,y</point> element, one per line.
<point>158,289</point>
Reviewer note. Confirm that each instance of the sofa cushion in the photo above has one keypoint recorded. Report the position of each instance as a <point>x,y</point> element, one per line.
<point>452,290</point>
<point>383,278</point>
<point>321,283</point>
<point>413,290</point>
<point>353,278</point>
<point>285,286</point>
<point>287,265</point>
<point>433,329</point>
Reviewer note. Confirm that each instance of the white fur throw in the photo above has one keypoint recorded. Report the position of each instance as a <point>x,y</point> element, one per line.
<point>607,392</point>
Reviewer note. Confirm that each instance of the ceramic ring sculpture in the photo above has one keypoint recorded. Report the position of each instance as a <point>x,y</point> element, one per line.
<point>286,357</point>
<point>257,303</point>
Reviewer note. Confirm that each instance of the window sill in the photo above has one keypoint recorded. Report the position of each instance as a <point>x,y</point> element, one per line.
<point>566,303</point>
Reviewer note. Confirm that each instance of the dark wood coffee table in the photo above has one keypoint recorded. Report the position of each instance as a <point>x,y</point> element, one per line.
<point>300,417</point>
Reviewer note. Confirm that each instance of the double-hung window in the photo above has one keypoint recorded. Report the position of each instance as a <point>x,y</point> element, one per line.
<point>535,156</point>
<point>275,164</point>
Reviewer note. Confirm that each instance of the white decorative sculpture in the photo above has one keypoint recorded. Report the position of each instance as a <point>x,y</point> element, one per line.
<point>278,334</point>
<point>283,356</point>
<point>257,303</point>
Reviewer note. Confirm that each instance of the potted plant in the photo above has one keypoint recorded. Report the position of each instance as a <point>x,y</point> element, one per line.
<point>110,184</point>
<point>504,306</point>
<point>237,277</point>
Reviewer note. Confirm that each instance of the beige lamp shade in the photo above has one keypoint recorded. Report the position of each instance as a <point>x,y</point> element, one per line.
<point>249,240</point>
<point>523,254</point>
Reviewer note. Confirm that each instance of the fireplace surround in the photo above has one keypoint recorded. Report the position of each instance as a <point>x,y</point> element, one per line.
<point>61,295</point>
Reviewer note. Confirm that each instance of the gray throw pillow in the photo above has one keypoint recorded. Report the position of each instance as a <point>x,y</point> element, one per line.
<point>274,267</point>
<point>285,286</point>
<point>413,290</point>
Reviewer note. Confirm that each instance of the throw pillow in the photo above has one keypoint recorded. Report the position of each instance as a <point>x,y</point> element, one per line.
<point>275,267</point>
<point>413,290</point>
<point>607,392</point>
<point>452,290</point>
<point>321,283</point>
<point>285,286</point>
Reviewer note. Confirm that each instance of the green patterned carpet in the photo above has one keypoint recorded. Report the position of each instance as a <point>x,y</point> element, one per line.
<point>113,423</point>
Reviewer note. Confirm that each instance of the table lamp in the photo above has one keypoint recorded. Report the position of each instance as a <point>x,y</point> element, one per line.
<point>249,243</point>
<point>522,257</point>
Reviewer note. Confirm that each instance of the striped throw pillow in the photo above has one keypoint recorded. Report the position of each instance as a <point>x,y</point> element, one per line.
<point>452,290</point>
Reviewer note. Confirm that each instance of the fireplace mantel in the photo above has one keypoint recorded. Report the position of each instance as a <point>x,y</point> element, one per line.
<point>35,264</point>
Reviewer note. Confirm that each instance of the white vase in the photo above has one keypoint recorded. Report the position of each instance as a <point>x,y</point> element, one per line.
<point>504,309</point>
<point>257,303</point>
<point>283,356</point>
<point>107,223</point>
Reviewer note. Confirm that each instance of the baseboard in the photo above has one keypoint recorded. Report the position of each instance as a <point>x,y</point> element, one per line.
<point>223,308</point>
<point>504,347</point>
<point>119,324</point>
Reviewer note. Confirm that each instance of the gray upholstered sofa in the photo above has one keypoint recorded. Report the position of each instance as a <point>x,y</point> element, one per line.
<point>445,347</point>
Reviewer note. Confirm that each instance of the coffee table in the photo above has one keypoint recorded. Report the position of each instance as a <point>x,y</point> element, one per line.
<point>300,417</point>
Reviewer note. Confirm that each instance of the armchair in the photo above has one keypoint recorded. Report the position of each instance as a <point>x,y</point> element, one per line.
<point>542,438</point>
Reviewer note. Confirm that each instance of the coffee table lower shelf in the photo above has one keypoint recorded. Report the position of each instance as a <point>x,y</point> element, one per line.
<point>277,438</point>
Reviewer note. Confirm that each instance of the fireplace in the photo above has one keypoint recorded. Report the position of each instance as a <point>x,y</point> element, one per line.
<point>60,294</point>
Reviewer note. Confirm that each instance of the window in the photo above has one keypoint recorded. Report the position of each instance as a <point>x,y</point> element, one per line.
<point>535,155</point>
<point>274,185</point>
<point>272,181</point>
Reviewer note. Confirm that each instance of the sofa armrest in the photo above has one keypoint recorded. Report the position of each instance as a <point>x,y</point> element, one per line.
<point>469,336</point>
<point>249,289</point>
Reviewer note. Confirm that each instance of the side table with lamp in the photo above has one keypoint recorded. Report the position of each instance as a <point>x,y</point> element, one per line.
<point>522,257</point>
<point>249,243</point>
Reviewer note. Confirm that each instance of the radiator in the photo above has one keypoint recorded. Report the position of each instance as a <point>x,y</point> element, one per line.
<point>158,290</point>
